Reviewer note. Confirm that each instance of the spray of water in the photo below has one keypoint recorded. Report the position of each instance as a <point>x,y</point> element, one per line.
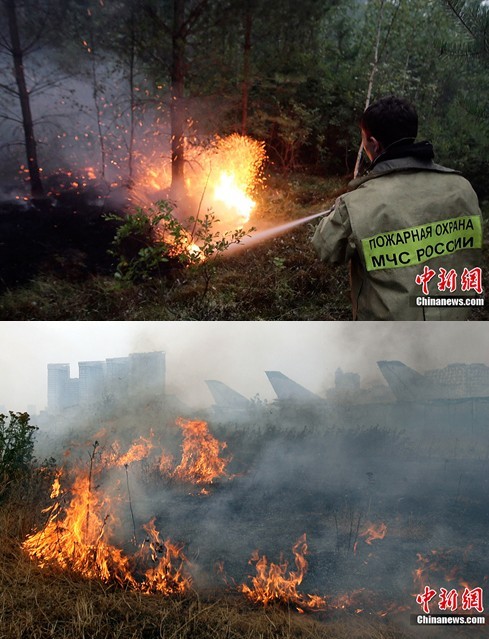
<point>274,231</point>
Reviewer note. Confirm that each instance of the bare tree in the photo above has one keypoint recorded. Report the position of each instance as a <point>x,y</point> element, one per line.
<point>248,21</point>
<point>14,47</point>
<point>184,21</point>
<point>378,50</point>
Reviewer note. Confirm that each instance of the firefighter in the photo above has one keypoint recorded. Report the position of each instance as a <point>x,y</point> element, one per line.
<point>411,229</point>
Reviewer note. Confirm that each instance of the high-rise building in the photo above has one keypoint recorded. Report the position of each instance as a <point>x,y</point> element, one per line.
<point>140,376</point>
<point>92,381</point>
<point>148,372</point>
<point>58,379</point>
<point>117,376</point>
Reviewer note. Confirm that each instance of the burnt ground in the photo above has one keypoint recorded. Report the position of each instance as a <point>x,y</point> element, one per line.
<point>66,237</point>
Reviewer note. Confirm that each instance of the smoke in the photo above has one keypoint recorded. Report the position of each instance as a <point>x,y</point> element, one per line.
<point>70,133</point>
<point>422,472</point>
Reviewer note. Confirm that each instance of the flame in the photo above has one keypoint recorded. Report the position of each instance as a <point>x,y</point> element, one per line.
<point>200,462</point>
<point>165,463</point>
<point>273,584</point>
<point>234,172</point>
<point>164,577</point>
<point>75,537</point>
<point>373,532</point>
<point>230,193</point>
<point>138,450</point>
<point>221,177</point>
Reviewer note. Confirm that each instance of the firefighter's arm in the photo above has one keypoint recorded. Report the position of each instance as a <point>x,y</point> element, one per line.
<point>333,236</point>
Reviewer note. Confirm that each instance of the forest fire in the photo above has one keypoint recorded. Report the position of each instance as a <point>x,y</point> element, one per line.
<point>236,162</point>
<point>272,583</point>
<point>222,178</point>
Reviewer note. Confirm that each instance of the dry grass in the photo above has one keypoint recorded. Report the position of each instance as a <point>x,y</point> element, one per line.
<point>42,604</point>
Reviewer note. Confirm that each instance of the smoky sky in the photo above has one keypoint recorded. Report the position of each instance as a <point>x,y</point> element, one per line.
<point>236,353</point>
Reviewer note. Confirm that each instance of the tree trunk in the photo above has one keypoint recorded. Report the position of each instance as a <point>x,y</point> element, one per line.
<point>96,100</point>
<point>30,141</point>
<point>246,71</point>
<point>177,114</point>
<point>373,71</point>
<point>132,58</point>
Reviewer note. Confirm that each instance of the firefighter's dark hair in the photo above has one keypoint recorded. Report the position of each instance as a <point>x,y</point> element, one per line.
<point>390,119</point>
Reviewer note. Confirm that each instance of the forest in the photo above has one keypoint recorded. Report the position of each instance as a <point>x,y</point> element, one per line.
<point>215,119</point>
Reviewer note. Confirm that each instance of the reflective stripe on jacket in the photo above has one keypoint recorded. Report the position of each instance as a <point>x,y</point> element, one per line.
<point>404,215</point>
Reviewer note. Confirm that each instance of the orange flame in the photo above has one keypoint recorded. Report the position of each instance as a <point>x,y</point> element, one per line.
<point>200,462</point>
<point>222,177</point>
<point>374,531</point>
<point>138,450</point>
<point>235,166</point>
<point>164,577</point>
<point>75,537</point>
<point>273,584</point>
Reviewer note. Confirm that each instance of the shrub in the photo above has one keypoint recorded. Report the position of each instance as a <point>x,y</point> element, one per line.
<point>16,447</point>
<point>149,243</point>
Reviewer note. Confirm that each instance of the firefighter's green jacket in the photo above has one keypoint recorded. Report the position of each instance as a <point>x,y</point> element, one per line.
<point>405,218</point>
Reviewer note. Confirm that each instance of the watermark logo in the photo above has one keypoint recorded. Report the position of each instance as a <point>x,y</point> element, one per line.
<point>452,288</point>
<point>447,280</point>
<point>449,602</point>
<point>449,599</point>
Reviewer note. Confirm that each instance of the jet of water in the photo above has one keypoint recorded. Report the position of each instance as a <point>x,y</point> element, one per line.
<point>274,231</point>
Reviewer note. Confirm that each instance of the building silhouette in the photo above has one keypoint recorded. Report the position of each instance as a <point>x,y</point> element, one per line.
<point>141,375</point>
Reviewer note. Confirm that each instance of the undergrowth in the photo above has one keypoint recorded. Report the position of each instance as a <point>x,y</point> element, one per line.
<point>280,279</point>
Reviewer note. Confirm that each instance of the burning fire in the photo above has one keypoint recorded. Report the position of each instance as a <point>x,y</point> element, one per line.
<point>374,531</point>
<point>222,178</point>
<point>163,577</point>
<point>138,451</point>
<point>273,584</point>
<point>236,166</point>
<point>200,462</point>
<point>76,538</point>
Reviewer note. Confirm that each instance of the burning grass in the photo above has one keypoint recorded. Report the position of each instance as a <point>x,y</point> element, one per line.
<point>42,604</point>
<point>148,592</point>
<point>82,533</point>
<point>273,583</point>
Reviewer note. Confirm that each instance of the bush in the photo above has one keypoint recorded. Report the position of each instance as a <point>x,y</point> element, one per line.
<point>16,447</point>
<point>150,243</point>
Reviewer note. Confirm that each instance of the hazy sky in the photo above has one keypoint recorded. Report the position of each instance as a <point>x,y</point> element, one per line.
<point>237,353</point>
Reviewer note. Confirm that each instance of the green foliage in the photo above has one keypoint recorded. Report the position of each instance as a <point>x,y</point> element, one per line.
<point>16,445</point>
<point>150,243</point>
<point>139,246</point>
<point>473,17</point>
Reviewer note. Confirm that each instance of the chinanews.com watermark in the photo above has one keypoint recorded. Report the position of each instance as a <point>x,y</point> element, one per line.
<point>447,282</point>
<point>454,608</point>
<point>453,620</point>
